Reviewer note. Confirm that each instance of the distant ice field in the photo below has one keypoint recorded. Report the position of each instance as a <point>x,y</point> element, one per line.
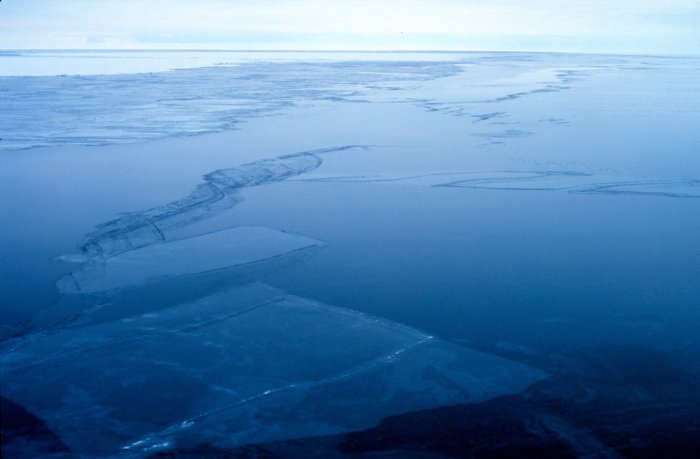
<point>113,62</point>
<point>103,98</point>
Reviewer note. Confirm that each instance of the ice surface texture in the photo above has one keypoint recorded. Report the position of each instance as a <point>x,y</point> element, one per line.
<point>164,274</point>
<point>108,109</point>
<point>578,182</point>
<point>216,194</point>
<point>249,364</point>
<point>544,180</point>
<point>131,259</point>
<point>164,343</point>
<point>185,257</point>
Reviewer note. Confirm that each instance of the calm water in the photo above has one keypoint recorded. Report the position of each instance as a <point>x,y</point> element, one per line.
<point>263,247</point>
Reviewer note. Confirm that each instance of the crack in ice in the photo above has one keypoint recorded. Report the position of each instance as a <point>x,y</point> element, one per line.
<point>152,441</point>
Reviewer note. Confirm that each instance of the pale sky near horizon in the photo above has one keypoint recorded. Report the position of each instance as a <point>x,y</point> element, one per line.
<point>623,26</point>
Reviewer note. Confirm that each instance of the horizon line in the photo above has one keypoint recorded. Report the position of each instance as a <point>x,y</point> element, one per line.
<point>369,51</point>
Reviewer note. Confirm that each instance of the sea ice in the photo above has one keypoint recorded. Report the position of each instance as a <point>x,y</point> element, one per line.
<point>128,108</point>
<point>186,257</point>
<point>490,237</point>
<point>165,274</point>
<point>543,180</point>
<point>580,182</point>
<point>218,193</point>
<point>250,364</point>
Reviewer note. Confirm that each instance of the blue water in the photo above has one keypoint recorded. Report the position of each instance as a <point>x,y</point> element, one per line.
<point>514,232</point>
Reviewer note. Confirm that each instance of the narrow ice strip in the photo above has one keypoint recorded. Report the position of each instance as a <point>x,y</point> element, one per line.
<point>250,364</point>
<point>567,181</point>
<point>205,253</point>
<point>218,193</point>
<point>580,182</point>
<point>662,188</point>
<point>527,180</point>
<point>427,178</point>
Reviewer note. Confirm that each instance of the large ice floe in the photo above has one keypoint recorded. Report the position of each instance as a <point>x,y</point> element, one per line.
<point>164,274</point>
<point>177,343</point>
<point>182,258</point>
<point>245,365</point>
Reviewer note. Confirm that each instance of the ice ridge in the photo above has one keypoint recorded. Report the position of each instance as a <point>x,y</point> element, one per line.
<point>219,192</point>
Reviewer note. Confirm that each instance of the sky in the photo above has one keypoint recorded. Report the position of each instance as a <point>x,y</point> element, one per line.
<point>622,26</point>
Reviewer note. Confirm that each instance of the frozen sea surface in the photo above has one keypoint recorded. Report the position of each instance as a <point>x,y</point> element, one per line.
<point>405,255</point>
<point>107,109</point>
<point>215,370</point>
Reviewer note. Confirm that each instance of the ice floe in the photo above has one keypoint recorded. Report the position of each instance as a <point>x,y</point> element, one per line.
<point>164,274</point>
<point>218,193</point>
<point>249,364</point>
<point>158,262</point>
